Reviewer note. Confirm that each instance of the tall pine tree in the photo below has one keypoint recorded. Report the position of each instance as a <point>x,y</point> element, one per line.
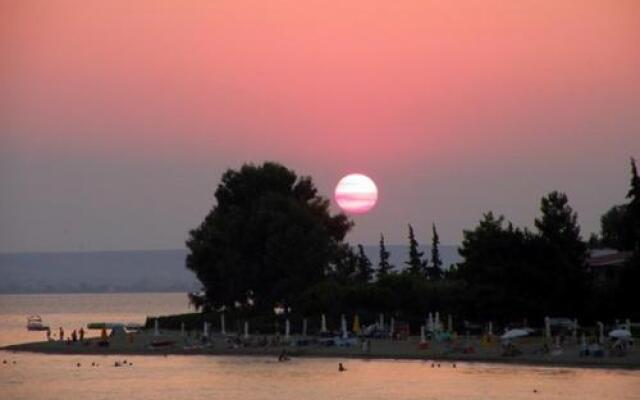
<point>435,269</point>
<point>633,209</point>
<point>364,269</point>
<point>384,267</point>
<point>565,251</point>
<point>415,263</point>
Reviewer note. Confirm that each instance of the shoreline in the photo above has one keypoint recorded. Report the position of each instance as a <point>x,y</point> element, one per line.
<point>381,350</point>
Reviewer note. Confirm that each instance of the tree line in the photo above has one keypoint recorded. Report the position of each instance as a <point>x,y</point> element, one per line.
<point>271,241</point>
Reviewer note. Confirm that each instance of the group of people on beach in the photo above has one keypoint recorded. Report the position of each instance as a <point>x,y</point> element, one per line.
<point>75,336</point>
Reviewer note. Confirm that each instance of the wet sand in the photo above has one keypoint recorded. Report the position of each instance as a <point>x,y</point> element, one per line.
<point>385,349</point>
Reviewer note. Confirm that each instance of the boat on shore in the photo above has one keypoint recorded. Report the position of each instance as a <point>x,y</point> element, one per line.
<point>34,323</point>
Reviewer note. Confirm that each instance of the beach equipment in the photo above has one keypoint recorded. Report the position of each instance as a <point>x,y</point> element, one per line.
<point>304,327</point>
<point>514,334</point>
<point>547,327</point>
<point>620,334</point>
<point>423,337</point>
<point>343,326</point>
<point>287,329</point>
<point>430,325</point>
<point>356,325</point>
<point>436,322</point>
<point>205,329</point>
<point>156,327</point>
<point>392,326</point>
<point>246,329</point>
<point>323,323</point>
<point>222,328</point>
<point>601,332</point>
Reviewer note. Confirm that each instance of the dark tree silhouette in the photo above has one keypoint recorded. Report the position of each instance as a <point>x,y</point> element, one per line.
<point>565,251</point>
<point>384,267</point>
<point>634,206</point>
<point>269,237</point>
<point>435,269</point>
<point>416,264</point>
<point>365,270</point>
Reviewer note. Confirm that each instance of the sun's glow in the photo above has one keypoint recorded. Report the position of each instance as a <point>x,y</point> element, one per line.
<point>356,193</point>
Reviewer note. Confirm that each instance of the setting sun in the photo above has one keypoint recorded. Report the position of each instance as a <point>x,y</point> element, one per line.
<point>356,193</point>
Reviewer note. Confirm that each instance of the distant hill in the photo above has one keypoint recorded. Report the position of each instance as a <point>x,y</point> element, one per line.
<point>126,271</point>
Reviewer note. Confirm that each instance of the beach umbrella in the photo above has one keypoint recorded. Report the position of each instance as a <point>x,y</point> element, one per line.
<point>246,329</point>
<point>323,324</point>
<point>513,334</point>
<point>490,328</point>
<point>343,326</point>
<point>356,325</point>
<point>601,335</point>
<point>287,329</point>
<point>423,337</point>
<point>222,330</point>
<point>450,323</point>
<point>547,327</point>
<point>156,327</point>
<point>430,326</point>
<point>620,334</point>
<point>381,322</point>
<point>304,327</point>
<point>181,328</point>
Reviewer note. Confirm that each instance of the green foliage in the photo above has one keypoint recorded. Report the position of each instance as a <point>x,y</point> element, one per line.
<point>415,263</point>
<point>365,270</point>
<point>616,228</point>
<point>269,237</point>
<point>384,267</point>
<point>511,272</point>
<point>634,207</point>
<point>435,270</point>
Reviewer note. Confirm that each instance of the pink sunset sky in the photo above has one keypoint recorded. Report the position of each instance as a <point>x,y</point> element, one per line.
<point>117,118</point>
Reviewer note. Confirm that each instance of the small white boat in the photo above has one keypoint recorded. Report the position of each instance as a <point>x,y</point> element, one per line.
<point>34,323</point>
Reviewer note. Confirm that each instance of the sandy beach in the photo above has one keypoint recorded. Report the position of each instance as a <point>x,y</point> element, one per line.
<point>567,356</point>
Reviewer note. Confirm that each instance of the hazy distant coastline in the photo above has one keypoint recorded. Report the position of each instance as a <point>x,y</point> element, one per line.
<point>128,271</point>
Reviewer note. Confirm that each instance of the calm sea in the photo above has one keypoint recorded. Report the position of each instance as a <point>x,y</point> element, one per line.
<point>35,376</point>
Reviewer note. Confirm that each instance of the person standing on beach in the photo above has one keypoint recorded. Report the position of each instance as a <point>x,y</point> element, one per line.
<point>61,334</point>
<point>81,334</point>
<point>48,334</point>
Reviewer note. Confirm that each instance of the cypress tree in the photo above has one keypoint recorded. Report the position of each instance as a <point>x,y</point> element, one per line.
<point>415,263</point>
<point>365,271</point>
<point>384,267</point>
<point>435,270</point>
<point>633,209</point>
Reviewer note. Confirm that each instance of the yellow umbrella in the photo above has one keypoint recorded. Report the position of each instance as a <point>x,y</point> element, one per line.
<point>356,325</point>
